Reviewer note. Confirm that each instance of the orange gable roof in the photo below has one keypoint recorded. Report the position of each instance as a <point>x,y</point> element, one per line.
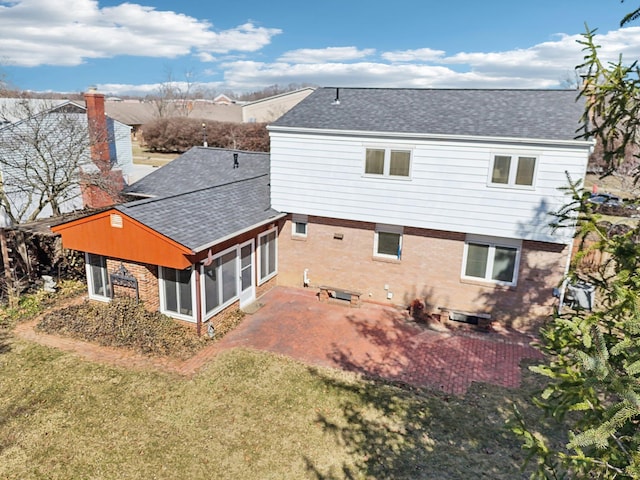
<point>114,234</point>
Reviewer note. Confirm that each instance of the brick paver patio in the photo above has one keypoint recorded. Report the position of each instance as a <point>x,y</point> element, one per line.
<point>373,340</point>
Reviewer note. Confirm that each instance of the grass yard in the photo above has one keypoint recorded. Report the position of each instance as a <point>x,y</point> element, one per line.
<point>141,156</point>
<point>248,415</point>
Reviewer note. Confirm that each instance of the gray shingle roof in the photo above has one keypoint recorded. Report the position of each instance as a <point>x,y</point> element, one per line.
<point>201,217</point>
<point>200,168</point>
<point>530,114</point>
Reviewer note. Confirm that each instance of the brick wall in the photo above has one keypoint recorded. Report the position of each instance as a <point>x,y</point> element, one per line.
<point>147,276</point>
<point>340,254</point>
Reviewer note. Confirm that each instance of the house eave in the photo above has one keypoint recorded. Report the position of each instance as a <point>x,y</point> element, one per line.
<point>431,136</point>
<point>238,232</point>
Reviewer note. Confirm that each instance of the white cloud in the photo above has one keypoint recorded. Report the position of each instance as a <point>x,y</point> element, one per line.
<point>67,32</point>
<point>545,65</point>
<point>329,54</point>
<point>418,55</point>
<point>247,75</point>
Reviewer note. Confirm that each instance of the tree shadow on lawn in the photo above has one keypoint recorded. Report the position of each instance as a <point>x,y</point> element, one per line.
<point>407,433</point>
<point>392,428</point>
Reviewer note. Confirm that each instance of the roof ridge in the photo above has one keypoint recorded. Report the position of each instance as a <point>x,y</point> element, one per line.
<point>145,201</point>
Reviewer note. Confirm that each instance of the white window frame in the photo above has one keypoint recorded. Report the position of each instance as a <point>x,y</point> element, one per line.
<point>105,278</point>
<point>163,300</point>
<point>262,279</point>
<point>395,229</point>
<point>513,169</point>
<point>387,162</point>
<point>222,306</point>
<point>297,220</point>
<point>492,243</point>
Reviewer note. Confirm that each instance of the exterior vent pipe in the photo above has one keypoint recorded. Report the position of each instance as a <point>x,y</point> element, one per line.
<point>337,100</point>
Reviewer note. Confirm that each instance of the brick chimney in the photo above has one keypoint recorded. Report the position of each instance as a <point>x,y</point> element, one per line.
<point>101,185</point>
<point>98,133</point>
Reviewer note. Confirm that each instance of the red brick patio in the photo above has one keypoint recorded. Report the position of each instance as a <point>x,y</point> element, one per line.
<point>374,340</point>
<point>380,341</point>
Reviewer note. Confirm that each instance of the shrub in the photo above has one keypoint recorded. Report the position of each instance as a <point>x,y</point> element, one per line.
<point>31,304</point>
<point>179,134</point>
<point>124,323</point>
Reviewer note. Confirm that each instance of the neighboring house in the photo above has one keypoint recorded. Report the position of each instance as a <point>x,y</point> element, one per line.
<point>137,113</point>
<point>271,108</point>
<point>56,141</point>
<point>223,99</point>
<point>399,194</point>
<point>438,195</point>
<point>201,238</point>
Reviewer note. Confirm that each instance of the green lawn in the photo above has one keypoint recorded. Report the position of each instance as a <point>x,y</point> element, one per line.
<point>248,415</point>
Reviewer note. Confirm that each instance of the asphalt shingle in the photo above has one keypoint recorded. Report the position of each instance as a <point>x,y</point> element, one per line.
<point>204,216</point>
<point>200,168</point>
<point>528,114</point>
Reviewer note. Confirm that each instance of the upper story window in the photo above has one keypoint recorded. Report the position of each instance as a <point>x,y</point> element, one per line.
<point>513,170</point>
<point>387,162</point>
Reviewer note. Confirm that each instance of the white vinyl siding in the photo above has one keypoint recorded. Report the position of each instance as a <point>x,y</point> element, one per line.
<point>323,175</point>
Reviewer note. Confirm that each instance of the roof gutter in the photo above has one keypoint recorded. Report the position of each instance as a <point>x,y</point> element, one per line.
<point>429,136</point>
<point>237,233</point>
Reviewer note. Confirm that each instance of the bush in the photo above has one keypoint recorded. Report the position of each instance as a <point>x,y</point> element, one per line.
<point>124,323</point>
<point>31,304</point>
<point>179,134</point>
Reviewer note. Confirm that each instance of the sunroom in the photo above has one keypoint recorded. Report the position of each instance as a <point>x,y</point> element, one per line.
<point>189,255</point>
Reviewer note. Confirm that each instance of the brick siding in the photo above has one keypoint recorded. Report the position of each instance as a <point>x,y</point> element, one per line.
<point>148,286</point>
<point>339,253</point>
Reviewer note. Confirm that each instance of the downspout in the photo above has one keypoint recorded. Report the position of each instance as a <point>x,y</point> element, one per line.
<point>565,278</point>
<point>198,302</point>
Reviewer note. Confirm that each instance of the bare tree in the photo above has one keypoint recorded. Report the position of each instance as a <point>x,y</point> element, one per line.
<point>45,159</point>
<point>180,134</point>
<point>174,98</point>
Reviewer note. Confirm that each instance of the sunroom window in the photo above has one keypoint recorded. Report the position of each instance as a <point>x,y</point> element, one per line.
<point>177,292</point>
<point>98,277</point>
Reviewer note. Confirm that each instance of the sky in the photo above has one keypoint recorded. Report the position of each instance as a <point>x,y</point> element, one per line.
<point>133,48</point>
